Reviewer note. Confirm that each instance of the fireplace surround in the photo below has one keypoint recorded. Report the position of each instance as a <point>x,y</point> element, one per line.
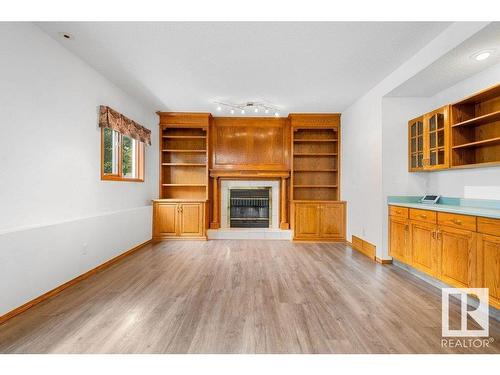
<point>272,187</point>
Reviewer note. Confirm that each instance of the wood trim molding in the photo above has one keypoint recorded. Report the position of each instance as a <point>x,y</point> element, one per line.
<point>383,261</point>
<point>72,282</point>
<point>364,247</point>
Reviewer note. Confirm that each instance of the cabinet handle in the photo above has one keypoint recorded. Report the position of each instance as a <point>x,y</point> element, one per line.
<point>423,216</point>
<point>457,222</point>
<point>406,227</point>
<point>434,234</point>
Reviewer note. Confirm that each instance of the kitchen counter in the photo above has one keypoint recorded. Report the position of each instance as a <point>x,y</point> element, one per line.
<point>473,207</point>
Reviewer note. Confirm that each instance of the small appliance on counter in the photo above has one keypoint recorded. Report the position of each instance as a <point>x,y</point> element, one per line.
<point>430,199</point>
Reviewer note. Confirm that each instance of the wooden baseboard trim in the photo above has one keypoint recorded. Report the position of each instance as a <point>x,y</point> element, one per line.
<point>364,247</point>
<point>72,282</point>
<point>383,261</point>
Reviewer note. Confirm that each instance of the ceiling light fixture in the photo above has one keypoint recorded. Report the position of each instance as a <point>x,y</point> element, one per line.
<point>247,107</point>
<point>276,114</point>
<point>482,55</point>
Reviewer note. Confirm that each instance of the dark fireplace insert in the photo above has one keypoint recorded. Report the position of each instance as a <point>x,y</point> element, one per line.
<point>249,208</point>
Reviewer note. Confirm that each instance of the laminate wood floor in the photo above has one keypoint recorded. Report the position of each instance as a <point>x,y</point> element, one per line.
<point>239,297</point>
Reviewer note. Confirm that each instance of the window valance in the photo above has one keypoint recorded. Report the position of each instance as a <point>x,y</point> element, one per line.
<point>109,118</point>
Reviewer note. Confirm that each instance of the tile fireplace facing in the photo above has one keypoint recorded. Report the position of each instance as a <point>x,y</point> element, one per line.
<point>250,204</point>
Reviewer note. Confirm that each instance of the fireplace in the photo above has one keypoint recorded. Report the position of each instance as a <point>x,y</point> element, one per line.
<point>249,207</point>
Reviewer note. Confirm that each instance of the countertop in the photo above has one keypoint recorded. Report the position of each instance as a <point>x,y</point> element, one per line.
<point>473,207</point>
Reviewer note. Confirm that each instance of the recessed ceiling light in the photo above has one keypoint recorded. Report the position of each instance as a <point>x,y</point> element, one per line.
<point>256,110</point>
<point>276,114</point>
<point>482,55</point>
<point>267,110</point>
<point>219,108</point>
<point>232,111</point>
<point>242,111</point>
<point>65,35</point>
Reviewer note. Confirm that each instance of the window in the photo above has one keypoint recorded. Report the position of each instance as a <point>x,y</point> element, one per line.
<point>122,157</point>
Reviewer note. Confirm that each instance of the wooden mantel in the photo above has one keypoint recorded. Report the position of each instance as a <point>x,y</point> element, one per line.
<point>281,175</point>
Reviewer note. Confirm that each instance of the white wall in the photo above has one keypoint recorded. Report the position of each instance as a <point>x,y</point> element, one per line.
<point>395,177</point>
<point>362,137</point>
<point>57,218</point>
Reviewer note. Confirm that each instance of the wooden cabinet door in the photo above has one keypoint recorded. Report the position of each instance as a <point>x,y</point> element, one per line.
<point>457,250</point>
<point>416,144</point>
<point>306,220</point>
<point>488,266</point>
<point>165,219</point>
<point>191,219</point>
<point>331,220</point>
<point>399,239</point>
<point>424,247</point>
<point>436,139</point>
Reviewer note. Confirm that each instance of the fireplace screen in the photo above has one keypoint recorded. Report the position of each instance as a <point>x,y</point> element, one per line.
<point>249,208</point>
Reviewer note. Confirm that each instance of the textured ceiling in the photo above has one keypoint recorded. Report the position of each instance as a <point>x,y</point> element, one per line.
<point>320,67</point>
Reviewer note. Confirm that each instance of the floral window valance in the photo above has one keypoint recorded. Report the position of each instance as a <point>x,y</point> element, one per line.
<point>109,118</point>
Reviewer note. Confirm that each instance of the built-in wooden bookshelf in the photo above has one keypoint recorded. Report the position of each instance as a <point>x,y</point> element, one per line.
<point>315,163</point>
<point>475,130</point>
<point>184,162</point>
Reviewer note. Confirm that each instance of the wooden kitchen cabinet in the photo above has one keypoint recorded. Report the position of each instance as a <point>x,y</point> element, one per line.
<point>460,250</point>
<point>178,220</point>
<point>436,139</point>
<point>319,221</point>
<point>429,140</point>
<point>457,256</point>
<point>424,249</point>
<point>488,266</point>
<point>399,239</point>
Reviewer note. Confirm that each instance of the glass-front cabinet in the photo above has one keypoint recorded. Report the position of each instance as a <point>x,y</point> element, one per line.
<point>416,144</point>
<point>429,140</point>
<point>436,134</point>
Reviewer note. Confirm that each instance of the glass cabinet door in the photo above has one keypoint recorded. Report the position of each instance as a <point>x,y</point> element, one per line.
<point>416,144</point>
<point>436,138</point>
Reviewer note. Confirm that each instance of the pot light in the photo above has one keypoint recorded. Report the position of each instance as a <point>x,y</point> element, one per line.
<point>256,110</point>
<point>219,108</point>
<point>482,55</point>
<point>242,111</point>
<point>276,114</point>
<point>65,35</point>
<point>232,111</point>
<point>267,110</point>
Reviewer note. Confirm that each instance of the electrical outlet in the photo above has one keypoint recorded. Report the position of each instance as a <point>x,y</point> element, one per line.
<point>84,248</point>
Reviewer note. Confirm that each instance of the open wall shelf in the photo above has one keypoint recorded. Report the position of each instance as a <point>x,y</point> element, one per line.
<point>184,167</point>
<point>475,130</point>
<point>315,163</point>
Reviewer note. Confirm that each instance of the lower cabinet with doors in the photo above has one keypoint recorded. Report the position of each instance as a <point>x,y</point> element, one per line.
<point>179,219</point>
<point>460,250</point>
<point>319,220</point>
